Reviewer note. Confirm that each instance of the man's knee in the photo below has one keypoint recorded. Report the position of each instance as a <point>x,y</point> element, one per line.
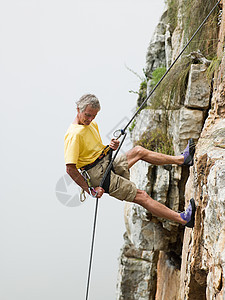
<point>138,150</point>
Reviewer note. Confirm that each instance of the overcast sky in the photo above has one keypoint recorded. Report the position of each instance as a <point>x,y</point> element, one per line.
<point>52,52</point>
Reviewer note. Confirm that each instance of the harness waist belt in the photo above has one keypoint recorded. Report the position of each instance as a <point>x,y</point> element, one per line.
<point>102,155</point>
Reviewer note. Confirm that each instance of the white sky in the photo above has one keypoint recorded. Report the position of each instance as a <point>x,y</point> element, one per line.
<point>52,52</point>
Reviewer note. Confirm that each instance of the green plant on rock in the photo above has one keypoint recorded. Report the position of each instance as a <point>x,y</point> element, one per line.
<point>133,124</point>
<point>168,96</point>
<point>142,94</point>
<point>213,67</point>
<point>156,140</point>
<point>172,13</point>
<point>171,92</point>
<point>157,74</point>
<point>194,11</point>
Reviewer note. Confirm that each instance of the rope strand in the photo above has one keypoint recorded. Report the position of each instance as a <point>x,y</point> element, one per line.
<point>96,211</point>
<point>92,248</point>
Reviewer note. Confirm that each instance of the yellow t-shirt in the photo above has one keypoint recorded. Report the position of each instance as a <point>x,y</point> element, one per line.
<point>82,144</point>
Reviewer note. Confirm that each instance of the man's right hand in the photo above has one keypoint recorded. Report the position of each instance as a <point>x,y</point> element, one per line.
<point>100,191</point>
<point>76,176</point>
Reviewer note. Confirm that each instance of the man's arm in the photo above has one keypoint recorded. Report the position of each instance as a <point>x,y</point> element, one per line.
<point>71,169</point>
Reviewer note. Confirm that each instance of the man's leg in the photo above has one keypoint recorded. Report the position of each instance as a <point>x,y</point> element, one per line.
<point>156,208</point>
<point>155,158</point>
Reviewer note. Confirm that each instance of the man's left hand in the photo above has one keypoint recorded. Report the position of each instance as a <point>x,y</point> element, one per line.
<point>114,144</point>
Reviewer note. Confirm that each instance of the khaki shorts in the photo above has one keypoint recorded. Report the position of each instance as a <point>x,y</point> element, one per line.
<point>120,185</point>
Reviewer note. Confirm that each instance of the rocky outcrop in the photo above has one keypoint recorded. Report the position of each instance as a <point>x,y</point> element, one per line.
<point>198,90</point>
<point>156,54</point>
<point>160,259</point>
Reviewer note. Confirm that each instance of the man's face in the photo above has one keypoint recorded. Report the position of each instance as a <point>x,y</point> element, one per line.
<point>86,117</point>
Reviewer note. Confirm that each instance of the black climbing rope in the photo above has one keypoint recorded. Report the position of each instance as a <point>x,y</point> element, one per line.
<point>123,132</point>
<point>108,169</point>
<point>92,247</point>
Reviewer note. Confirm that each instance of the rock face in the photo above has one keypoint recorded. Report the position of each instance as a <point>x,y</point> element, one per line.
<point>198,90</point>
<point>160,259</point>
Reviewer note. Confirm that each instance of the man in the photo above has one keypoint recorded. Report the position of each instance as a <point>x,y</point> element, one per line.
<point>84,150</point>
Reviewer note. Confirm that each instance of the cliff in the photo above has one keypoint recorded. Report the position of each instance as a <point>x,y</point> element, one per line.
<point>160,259</point>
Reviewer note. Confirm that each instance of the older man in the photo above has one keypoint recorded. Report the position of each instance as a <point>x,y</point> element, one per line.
<point>84,150</point>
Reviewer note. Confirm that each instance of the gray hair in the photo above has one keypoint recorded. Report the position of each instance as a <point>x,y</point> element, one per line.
<point>86,100</point>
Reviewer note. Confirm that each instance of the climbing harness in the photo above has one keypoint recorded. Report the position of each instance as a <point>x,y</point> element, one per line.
<point>102,155</point>
<point>86,176</point>
<point>122,132</point>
